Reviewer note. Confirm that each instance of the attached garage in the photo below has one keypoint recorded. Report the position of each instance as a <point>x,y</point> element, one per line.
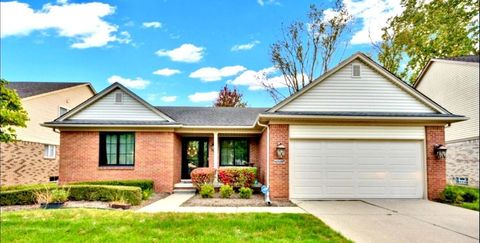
<point>349,162</point>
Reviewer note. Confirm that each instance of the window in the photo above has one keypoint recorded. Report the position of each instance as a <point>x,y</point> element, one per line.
<point>118,98</point>
<point>356,72</point>
<point>117,149</point>
<point>62,110</point>
<point>234,152</point>
<point>461,180</point>
<point>53,178</point>
<point>49,151</point>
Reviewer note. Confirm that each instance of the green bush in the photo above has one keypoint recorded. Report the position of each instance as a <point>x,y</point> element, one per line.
<point>207,191</point>
<point>59,195</point>
<point>143,184</point>
<point>132,195</point>
<point>28,186</point>
<point>146,194</point>
<point>245,192</point>
<point>470,196</point>
<point>226,191</point>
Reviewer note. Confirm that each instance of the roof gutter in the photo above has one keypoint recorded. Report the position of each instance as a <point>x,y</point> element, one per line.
<point>330,117</point>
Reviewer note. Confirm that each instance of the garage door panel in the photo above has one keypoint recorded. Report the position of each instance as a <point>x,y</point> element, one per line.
<point>356,169</point>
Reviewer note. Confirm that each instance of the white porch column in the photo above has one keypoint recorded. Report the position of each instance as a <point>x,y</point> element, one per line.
<point>215,150</point>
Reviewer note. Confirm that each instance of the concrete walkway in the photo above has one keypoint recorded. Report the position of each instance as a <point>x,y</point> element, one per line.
<point>395,220</point>
<point>172,204</point>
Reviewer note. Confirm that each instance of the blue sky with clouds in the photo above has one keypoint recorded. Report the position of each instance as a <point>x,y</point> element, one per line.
<point>171,52</point>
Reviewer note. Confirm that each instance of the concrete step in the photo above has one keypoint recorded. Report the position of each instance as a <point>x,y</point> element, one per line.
<point>186,181</point>
<point>184,185</point>
<point>184,190</point>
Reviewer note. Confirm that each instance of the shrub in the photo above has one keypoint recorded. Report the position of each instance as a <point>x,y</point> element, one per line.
<point>207,191</point>
<point>133,195</point>
<point>130,194</point>
<point>29,186</point>
<point>451,195</point>
<point>245,192</point>
<point>146,194</point>
<point>226,191</point>
<point>59,195</point>
<point>202,176</point>
<point>470,196</point>
<point>143,184</point>
<point>238,176</point>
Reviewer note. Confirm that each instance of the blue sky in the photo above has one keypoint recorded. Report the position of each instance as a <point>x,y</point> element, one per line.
<point>171,52</point>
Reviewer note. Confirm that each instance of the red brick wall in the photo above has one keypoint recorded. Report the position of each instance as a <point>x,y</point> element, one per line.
<point>24,163</point>
<point>436,168</point>
<point>156,156</point>
<point>177,158</point>
<point>278,172</point>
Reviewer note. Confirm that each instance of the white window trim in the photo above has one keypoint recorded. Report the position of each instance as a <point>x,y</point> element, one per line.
<point>359,69</point>
<point>46,151</point>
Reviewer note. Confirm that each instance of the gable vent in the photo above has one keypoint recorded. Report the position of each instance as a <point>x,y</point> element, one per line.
<point>356,70</point>
<point>118,97</point>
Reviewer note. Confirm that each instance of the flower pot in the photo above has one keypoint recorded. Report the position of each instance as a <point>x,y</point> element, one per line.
<point>120,206</point>
<point>53,205</point>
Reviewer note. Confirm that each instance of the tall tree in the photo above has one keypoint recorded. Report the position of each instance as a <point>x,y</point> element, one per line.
<point>229,98</point>
<point>426,30</point>
<point>12,113</point>
<point>304,46</point>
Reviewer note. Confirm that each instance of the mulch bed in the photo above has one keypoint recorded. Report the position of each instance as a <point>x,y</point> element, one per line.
<point>86,204</point>
<point>257,200</point>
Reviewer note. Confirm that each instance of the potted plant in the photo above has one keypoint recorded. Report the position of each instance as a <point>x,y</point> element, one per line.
<point>51,199</point>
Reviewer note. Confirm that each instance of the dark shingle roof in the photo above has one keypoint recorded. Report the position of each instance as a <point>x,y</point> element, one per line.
<point>27,89</point>
<point>469,58</point>
<point>368,114</point>
<point>212,116</point>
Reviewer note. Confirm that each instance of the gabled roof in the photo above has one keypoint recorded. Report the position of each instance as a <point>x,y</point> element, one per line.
<point>468,60</point>
<point>30,89</point>
<point>375,66</point>
<point>212,116</point>
<point>102,94</point>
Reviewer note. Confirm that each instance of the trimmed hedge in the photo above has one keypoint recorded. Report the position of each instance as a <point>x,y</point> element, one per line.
<point>132,195</point>
<point>143,184</point>
<point>237,177</point>
<point>202,176</point>
<point>28,186</point>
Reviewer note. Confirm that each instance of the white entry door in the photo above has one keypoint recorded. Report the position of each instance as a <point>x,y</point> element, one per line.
<point>350,169</point>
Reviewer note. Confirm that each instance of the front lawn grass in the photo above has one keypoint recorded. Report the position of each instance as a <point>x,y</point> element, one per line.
<point>91,225</point>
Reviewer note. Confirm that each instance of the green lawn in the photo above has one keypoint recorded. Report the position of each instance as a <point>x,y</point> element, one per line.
<point>87,225</point>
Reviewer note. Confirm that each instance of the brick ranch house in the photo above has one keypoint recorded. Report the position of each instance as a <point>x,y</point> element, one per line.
<point>355,132</point>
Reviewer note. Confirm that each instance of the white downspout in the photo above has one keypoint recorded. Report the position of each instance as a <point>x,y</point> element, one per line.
<point>267,195</point>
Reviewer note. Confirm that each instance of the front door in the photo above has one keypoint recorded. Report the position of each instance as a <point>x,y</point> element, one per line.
<point>194,155</point>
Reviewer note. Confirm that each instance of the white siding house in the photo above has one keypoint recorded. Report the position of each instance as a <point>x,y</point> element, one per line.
<point>454,84</point>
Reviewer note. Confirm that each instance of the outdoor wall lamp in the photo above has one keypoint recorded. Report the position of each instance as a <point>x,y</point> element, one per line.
<point>280,150</point>
<point>440,151</point>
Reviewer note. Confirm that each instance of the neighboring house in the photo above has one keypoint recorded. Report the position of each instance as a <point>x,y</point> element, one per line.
<point>34,157</point>
<point>454,83</point>
<point>356,132</point>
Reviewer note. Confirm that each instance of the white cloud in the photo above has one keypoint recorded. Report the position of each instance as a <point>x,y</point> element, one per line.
<point>169,98</point>
<point>166,72</point>
<point>244,47</point>
<point>267,2</point>
<point>154,24</point>
<point>209,74</point>
<point>372,15</point>
<point>184,53</point>
<point>82,22</point>
<point>203,97</point>
<point>137,83</point>
<point>254,79</point>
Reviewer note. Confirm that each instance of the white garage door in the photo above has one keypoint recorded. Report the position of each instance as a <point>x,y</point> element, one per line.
<point>321,169</point>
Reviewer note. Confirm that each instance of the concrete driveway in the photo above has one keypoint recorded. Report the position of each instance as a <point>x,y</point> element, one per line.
<point>393,220</point>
